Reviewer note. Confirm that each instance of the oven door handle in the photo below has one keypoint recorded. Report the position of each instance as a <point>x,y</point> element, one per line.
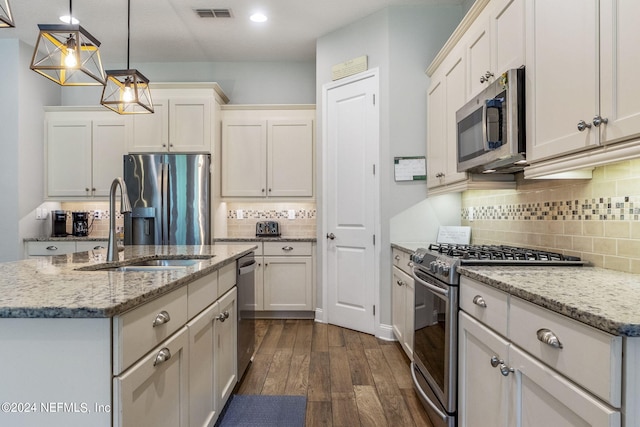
<point>429,286</point>
<point>437,410</point>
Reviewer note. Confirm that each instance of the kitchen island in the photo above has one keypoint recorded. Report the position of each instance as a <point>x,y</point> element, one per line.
<point>84,344</point>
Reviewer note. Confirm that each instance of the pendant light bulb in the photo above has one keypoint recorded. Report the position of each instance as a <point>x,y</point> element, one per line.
<point>127,93</point>
<point>70,59</point>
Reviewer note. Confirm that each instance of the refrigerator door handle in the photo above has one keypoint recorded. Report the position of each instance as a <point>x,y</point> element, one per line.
<point>165,204</point>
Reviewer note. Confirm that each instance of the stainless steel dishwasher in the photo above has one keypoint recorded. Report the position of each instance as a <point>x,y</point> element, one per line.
<point>245,281</point>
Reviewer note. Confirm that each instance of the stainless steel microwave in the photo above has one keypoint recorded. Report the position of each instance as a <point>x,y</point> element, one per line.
<point>491,127</point>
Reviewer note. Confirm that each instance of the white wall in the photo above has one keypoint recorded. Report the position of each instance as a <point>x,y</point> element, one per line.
<point>24,93</point>
<point>420,222</point>
<point>243,82</point>
<point>401,42</point>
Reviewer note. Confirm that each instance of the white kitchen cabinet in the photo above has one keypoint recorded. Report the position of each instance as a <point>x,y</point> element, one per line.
<point>480,71</point>
<point>59,247</point>
<point>154,391</point>
<point>520,380</point>
<point>212,360</point>
<point>84,152</point>
<point>267,153</point>
<point>403,300</point>
<point>446,95</point>
<point>483,394</point>
<point>184,120</point>
<point>590,45</point>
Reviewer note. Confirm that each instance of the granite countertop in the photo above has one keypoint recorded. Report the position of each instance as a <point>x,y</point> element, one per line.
<point>605,299</point>
<point>51,286</point>
<point>266,239</point>
<point>69,238</point>
<point>409,247</point>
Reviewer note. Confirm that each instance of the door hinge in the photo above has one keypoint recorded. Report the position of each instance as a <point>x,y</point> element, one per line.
<point>374,99</point>
<point>374,240</point>
<point>374,168</point>
<point>374,310</point>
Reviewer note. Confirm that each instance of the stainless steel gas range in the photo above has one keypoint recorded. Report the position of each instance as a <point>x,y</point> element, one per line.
<point>434,367</point>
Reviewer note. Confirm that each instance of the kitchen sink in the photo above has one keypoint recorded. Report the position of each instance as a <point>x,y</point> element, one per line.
<point>154,264</point>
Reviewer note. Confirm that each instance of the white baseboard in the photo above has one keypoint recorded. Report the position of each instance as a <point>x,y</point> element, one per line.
<point>385,332</point>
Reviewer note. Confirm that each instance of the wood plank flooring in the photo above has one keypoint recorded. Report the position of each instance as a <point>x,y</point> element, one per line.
<point>349,378</point>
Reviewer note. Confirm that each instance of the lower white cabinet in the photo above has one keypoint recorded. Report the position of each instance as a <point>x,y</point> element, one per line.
<point>154,391</point>
<point>402,314</point>
<point>501,384</point>
<point>212,360</point>
<point>59,247</point>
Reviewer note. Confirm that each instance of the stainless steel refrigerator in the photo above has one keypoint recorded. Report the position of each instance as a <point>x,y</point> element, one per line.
<point>170,199</point>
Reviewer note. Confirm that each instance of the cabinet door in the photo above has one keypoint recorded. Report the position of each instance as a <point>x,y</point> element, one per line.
<point>409,314</point>
<point>544,398</point>
<point>562,76</point>
<point>398,305</point>
<point>69,158</point>
<point>244,153</point>
<point>479,66</point>
<point>483,392</point>
<point>619,64</point>
<point>226,347</point>
<point>109,145</point>
<point>290,158</point>
<point>154,391</point>
<point>436,132</point>
<point>202,354</point>
<point>455,98</point>
<point>151,131</point>
<point>190,125</point>
<point>507,35</point>
<point>287,283</point>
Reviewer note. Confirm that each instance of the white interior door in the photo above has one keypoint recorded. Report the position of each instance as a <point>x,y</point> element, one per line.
<point>352,139</point>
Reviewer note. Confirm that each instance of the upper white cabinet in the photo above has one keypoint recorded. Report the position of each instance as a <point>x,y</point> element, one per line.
<point>267,153</point>
<point>582,90</point>
<point>489,41</point>
<point>184,120</point>
<point>84,149</point>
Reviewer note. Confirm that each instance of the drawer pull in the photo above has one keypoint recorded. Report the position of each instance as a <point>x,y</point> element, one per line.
<point>95,248</point>
<point>548,337</point>
<point>52,248</point>
<point>505,370</point>
<point>287,248</point>
<point>478,300</point>
<point>495,361</point>
<point>399,282</point>
<point>397,257</point>
<point>162,318</point>
<point>162,356</point>
<point>223,316</point>
<point>410,264</point>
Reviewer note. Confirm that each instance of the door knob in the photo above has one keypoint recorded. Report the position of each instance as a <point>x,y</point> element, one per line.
<point>331,236</point>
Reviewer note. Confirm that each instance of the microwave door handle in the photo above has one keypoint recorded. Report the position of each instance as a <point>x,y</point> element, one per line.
<point>485,134</point>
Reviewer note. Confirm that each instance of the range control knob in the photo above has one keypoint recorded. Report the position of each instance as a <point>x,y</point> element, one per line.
<point>433,266</point>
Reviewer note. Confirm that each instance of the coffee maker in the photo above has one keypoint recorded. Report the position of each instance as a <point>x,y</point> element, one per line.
<point>58,224</point>
<point>80,223</point>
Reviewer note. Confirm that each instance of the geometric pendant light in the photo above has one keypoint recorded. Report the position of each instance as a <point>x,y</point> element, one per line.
<point>127,91</point>
<point>68,55</point>
<point>6,18</point>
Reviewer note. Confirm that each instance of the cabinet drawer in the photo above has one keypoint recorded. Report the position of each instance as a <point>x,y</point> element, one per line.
<point>489,305</point>
<point>402,260</point>
<point>590,357</point>
<point>226,278</point>
<point>202,293</point>
<point>287,248</point>
<point>135,333</point>
<point>51,248</point>
<point>92,245</point>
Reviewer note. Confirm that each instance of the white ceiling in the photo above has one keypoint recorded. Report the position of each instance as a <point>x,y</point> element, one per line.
<point>170,30</point>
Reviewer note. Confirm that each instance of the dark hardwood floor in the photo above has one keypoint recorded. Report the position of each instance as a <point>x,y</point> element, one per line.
<point>349,378</point>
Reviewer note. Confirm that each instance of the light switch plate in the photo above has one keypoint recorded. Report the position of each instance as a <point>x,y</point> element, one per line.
<point>240,213</point>
<point>292,214</point>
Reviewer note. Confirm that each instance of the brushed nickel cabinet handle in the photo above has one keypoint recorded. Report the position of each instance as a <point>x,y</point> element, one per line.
<point>478,300</point>
<point>162,318</point>
<point>287,248</point>
<point>582,125</point>
<point>52,248</point>
<point>598,120</point>
<point>548,337</point>
<point>162,356</point>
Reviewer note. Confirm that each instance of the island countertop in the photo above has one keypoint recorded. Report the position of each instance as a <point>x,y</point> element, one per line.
<point>53,287</point>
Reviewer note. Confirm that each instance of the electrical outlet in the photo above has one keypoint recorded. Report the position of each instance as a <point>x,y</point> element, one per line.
<point>97,214</point>
<point>38,213</point>
<point>240,213</point>
<point>292,214</point>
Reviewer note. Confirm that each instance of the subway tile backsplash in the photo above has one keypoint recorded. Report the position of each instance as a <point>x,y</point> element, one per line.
<point>303,225</point>
<point>597,219</point>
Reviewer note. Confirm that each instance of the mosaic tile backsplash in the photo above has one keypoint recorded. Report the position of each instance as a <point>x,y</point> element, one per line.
<point>597,220</point>
<point>303,225</point>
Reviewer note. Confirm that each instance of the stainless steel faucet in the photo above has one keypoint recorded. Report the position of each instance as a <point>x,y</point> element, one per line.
<point>125,206</point>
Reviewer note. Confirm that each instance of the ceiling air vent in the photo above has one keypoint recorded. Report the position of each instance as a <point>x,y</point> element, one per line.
<point>213,13</point>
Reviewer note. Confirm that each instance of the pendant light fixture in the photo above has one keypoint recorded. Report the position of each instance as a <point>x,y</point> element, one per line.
<point>127,91</point>
<point>6,18</point>
<point>68,55</point>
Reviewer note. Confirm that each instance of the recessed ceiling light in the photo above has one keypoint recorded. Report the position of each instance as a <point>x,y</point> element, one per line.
<point>69,20</point>
<point>258,17</point>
